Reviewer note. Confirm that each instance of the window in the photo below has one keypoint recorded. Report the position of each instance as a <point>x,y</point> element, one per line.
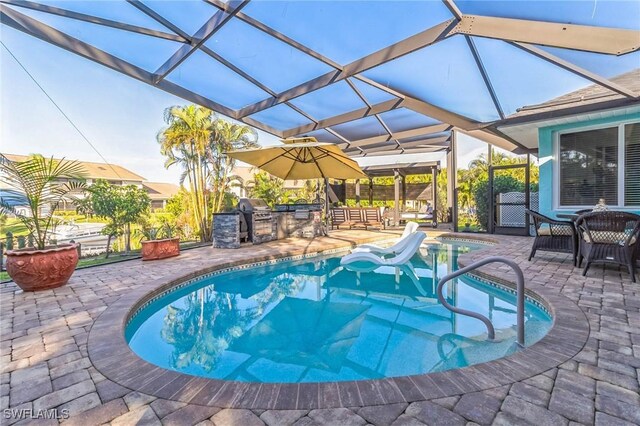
<point>632,165</point>
<point>600,163</point>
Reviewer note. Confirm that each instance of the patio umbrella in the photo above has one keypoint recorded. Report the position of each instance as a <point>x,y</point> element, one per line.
<point>303,158</point>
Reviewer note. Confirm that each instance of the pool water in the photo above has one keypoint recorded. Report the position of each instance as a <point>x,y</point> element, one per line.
<point>315,321</point>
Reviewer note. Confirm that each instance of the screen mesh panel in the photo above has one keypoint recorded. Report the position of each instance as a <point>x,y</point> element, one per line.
<point>257,61</point>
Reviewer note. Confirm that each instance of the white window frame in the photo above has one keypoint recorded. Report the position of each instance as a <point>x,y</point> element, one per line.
<point>621,163</point>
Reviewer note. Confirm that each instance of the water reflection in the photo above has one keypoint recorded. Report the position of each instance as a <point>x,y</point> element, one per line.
<point>318,321</point>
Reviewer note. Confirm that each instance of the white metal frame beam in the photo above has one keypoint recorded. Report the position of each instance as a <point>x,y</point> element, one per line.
<point>35,28</point>
<point>611,41</point>
<point>95,20</point>
<point>209,28</point>
<point>485,76</point>
<point>601,81</point>
<point>404,47</point>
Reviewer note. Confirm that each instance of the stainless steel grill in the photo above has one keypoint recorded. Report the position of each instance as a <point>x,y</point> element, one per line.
<point>259,218</point>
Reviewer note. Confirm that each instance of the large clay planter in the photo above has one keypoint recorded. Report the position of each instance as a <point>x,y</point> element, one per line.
<point>35,270</point>
<point>160,249</point>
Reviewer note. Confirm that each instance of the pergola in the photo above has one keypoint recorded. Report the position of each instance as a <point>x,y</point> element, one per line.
<point>376,78</point>
<point>400,171</point>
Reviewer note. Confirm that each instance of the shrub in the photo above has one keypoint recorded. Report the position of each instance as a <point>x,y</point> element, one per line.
<point>480,191</point>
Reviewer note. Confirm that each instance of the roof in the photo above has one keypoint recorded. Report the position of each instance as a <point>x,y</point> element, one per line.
<point>404,169</point>
<point>364,84</point>
<point>95,170</point>
<point>160,190</point>
<point>594,94</point>
<point>589,103</point>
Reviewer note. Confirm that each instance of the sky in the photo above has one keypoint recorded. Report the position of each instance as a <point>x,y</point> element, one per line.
<point>121,116</point>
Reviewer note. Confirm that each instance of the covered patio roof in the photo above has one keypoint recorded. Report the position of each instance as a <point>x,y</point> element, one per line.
<point>403,169</point>
<point>376,78</point>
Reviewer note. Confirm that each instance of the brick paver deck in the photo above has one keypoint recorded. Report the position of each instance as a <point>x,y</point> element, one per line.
<point>46,365</point>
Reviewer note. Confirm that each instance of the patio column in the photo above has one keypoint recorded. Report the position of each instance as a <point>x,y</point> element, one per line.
<point>404,193</point>
<point>370,192</point>
<point>358,192</point>
<point>396,197</point>
<point>490,195</point>
<point>434,188</point>
<point>452,180</point>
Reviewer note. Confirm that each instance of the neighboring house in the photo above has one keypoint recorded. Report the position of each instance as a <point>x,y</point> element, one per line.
<point>160,192</point>
<point>244,180</point>
<point>115,175</point>
<point>588,144</point>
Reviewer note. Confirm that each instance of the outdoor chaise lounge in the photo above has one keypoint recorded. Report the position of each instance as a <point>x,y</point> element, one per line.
<point>357,218</point>
<point>398,246</point>
<point>553,235</point>
<point>609,237</point>
<point>413,244</point>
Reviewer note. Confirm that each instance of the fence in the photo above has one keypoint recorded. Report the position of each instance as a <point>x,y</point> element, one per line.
<point>510,211</point>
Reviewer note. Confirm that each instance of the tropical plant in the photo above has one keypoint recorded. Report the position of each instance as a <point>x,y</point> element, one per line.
<point>267,187</point>
<point>43,183</point>
<point>120,206</point>
<point>149,233</point>
<point>197,140</point>
<point>226,136</point>
<point>180,212</point>
<point>168,230</point>
<point>184,142</point>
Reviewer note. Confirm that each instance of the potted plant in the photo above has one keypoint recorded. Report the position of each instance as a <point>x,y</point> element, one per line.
<point>159,242</point>
<point>41,185</point>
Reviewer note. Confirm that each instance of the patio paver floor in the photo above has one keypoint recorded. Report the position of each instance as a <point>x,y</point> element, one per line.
<point>45,361</point>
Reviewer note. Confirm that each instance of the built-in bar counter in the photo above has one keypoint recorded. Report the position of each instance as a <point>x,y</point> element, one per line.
<point>230,229</point>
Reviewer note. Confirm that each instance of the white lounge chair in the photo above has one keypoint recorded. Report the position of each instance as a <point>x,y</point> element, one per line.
<point>413,243</point>
<point>410,228</point>
<point>406,268</point>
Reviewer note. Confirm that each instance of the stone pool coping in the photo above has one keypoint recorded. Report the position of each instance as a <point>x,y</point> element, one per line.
<point>111,356</point>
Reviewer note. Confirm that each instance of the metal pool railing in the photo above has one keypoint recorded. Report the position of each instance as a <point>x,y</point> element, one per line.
<point>519,295</point>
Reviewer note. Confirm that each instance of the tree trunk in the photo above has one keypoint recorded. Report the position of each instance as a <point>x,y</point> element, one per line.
<point>127,239</point>
<point>108,245</point>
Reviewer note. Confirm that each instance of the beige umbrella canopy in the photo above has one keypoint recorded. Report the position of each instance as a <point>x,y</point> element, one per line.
<point>303,158</point>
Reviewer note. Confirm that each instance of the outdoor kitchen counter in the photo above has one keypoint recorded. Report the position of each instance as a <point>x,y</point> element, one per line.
<point>299,223</point>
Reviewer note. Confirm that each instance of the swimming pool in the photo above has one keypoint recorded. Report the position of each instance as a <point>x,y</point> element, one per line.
<point>312,320</point>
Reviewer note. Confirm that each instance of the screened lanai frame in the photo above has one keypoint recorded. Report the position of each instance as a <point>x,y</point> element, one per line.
<point>351,103</point>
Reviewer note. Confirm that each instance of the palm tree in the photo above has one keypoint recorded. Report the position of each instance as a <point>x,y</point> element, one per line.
<point>226,136</point>
<point>185,142</point>
<point>43,184</point>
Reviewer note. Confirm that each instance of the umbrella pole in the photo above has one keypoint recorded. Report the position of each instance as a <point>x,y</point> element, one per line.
<point>326,206</point>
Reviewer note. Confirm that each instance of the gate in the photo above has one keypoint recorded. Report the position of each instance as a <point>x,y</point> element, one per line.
<point>509,195</point>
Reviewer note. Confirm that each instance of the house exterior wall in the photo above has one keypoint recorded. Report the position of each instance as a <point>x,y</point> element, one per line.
<point>547,157</point>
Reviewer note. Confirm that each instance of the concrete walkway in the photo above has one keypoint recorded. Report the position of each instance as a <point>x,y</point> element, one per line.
<point>45,364</point>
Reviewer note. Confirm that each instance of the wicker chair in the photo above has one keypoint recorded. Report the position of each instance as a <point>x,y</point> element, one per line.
<point>609,237</point>
<point>553,235</point>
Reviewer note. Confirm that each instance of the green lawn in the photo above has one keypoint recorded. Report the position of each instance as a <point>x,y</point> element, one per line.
<point>14,226</point>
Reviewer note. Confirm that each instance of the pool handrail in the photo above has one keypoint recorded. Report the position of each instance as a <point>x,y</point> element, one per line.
<point>519,295</point>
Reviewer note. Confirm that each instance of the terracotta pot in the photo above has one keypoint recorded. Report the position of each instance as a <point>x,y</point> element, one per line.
<point>160,249</point>
<point>35,270</point>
